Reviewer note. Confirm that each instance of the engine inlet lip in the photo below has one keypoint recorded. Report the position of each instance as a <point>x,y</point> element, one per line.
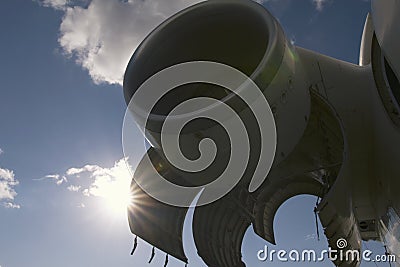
<point>263,74</point>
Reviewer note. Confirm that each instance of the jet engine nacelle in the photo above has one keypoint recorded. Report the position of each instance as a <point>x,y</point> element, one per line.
<point>240,34</point>
<point>337,129</point>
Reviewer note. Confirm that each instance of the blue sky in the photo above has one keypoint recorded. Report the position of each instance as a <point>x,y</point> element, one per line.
<point>61,114</point>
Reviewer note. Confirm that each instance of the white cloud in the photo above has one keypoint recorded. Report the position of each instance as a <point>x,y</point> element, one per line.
<point>319,4</point>
<point>7,175</point>
<point>1,151</point>
<point>50,177</point>
<point>103,35</point>
<point>61,180</point>
<point>56,4</point>
<point>111,184</point>
<point>78,171</point>
<point>10,205</point>
<point>86,192</point>
<point>74,188</point>
<point>7,184</point>
<point>106,182</point>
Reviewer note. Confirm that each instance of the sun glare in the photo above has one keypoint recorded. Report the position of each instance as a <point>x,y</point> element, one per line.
<point>112,187</point>
<point>117,201</point>
<point>116,194</point>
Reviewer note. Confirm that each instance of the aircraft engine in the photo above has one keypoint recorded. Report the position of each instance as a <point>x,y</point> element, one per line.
<point>221,95</point>
<point>240,34</point>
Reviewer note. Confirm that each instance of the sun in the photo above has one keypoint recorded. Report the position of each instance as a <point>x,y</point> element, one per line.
<point>117,201</point>
<point>116,195</point>
<point>112,187</point>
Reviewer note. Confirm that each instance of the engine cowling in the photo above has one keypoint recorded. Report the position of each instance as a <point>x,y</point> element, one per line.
<point>241,34</point>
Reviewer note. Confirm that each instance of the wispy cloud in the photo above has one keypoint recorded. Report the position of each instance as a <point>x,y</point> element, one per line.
<point>87,168</point>
<point>58,179</point>
<point>56,4</point>
<point>10,205</point>
<point>86,192</point>
<point>319,4</point>
<point>74,188</point>
<point>311,237</point>
<point>1,151</point>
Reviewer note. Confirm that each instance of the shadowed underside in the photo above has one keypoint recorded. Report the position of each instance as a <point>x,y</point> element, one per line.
<point>219,228</point>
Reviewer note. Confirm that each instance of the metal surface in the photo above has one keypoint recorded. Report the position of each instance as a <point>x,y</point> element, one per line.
<point>337,125</point>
